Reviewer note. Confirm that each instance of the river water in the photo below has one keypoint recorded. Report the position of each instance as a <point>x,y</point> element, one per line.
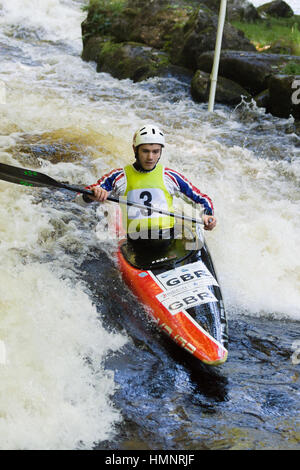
<point>82,368</point>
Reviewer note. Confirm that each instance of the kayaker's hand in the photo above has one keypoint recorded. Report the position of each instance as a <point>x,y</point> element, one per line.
<point>100,194</point>
<point>209,222</point>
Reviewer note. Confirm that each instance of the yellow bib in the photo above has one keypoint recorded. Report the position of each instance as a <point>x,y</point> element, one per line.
<point>148,189</point>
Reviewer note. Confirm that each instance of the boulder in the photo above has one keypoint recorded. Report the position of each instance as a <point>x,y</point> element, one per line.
<point>180,30</point>
<point>227,92</point>
<point>139,39</point>
<point>263,99</point>
<point>278,8</point>
<point>199,35</point>
<point>252,70</point>
<point>93,47</point>
<point>150,22</point>
<point>237,10</point>
<point>134,60</point>
<point>284,91</point>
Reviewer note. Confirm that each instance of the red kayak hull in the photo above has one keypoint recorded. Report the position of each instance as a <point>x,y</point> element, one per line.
<point>181,327</point>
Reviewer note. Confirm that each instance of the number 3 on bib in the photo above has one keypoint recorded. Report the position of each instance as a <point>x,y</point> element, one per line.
<point>150,190</point>
<point>149,197</point>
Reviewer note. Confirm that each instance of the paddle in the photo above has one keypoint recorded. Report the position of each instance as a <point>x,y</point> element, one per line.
<point>33,178</point>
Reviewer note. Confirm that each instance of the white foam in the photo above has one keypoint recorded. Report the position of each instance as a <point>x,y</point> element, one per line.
<point>50,19</point>
<point>55,392</point>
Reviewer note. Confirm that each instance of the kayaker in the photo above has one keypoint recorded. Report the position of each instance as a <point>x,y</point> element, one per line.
<point>148,182</point>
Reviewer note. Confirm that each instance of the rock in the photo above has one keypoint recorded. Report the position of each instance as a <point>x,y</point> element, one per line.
<point>284,93</point>
<point>175,71</point>
<point>177,29</point>
<point>93,47</point>
<point>263,99</point>
<point>149,22</point>
<point>139,39</point>
<point>227,92</point>
<point>247,13</point>
<point>237,10</point>
<point>200,86</point>
<point>278,8</point>
<point>252,70</point>
<point>132,60</point>
<point>199,35</point>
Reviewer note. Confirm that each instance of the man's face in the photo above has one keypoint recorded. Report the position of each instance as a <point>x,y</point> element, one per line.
<point>149,155</point>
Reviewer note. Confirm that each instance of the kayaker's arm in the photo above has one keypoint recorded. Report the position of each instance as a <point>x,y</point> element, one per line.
<point>100,194</point>
<point>180,185</point>
<point>111,183</point>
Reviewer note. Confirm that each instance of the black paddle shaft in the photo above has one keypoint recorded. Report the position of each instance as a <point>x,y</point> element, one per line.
<point>33,178</point>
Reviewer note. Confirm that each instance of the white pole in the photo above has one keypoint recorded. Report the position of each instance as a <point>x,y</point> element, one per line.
<point>215,69</point>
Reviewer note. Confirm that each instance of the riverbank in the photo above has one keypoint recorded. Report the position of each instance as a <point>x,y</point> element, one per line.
<point>275,35</point>
<point>133,39</point>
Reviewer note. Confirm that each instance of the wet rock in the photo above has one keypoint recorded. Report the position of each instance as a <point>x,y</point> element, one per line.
<point>199,35</point>
<point>150,22</point>
<point>250,69</point>
<point>139,39</point>
<point>180,30</point>
<point>131,60</point>
<point>278,8</point>
<point>284,93</point>
<point>93,47</point>
<point>227,92</point>
<point>263,99</point>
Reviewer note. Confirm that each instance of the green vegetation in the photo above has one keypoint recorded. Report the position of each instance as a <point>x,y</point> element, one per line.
<point>111,5</point>
<point>101,14</point>
<point>292,68</point>
<point>274,35</point>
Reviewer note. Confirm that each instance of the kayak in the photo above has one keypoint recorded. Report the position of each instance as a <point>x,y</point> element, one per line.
<point>179,286</point>
<point>180,289</point>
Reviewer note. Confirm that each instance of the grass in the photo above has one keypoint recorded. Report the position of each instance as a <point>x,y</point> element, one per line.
<point>280,35</point>
<point>292,68</point>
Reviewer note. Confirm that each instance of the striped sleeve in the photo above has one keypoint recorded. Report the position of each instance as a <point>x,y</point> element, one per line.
<point>112,181</point>
<point>181,184</point>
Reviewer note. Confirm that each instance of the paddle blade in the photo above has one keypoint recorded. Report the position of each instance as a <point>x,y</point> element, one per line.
<point>26,177</point>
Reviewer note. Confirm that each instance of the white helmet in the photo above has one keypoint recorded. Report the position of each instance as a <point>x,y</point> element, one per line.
<point>148,134</point>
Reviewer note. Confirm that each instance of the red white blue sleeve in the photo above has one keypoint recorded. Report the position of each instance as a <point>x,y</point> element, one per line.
<point>114,181</point>
<point>179,183</point>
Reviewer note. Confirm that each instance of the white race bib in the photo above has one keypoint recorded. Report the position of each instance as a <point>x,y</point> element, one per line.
<point>149,197</point>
